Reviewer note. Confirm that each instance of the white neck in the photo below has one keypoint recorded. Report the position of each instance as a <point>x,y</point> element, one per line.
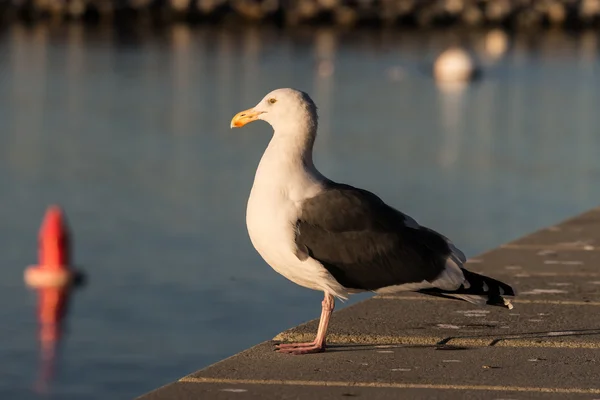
<point>287,164</point>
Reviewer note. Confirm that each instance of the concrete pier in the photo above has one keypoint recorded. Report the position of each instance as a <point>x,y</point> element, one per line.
<point>419,347</point>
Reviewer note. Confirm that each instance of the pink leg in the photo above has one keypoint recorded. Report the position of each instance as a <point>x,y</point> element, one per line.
<point>318,345</point>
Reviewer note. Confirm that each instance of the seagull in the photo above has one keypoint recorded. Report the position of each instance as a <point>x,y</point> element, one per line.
<point>337,238</point>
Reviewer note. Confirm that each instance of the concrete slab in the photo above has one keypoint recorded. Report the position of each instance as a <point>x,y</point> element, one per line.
<point>578,233</point>
<point>427,320</point>
<point>266,391</point>
<point>486,372</point>
<point>538,262</point>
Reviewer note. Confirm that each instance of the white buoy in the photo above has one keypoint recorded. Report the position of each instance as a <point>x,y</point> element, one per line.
<point>496,44</point>
<point>454,65</point>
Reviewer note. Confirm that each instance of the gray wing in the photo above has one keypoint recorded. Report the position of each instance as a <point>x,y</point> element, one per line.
<point>366,244</point>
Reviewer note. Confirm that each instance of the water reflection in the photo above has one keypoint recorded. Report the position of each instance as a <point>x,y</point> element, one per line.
<point>53,304</point>
<point>52,278</point>
<point>452,117</point>
<point>323,87</point>
<point>181,40</point>
<point>130,132</point>
<point>28,82</point>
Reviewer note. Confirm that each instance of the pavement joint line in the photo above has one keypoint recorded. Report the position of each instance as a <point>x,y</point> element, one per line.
<point>526,274</point>
<point>517,301</point>
<point>515,340</point>
<point>549,247</point>
<point>522,273</point>
<point>383,385</point>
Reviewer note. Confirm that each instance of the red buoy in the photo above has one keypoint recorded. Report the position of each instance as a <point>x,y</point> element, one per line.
<point>54,253</point>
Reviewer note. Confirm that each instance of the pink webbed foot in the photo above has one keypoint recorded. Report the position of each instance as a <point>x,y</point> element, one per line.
<point>285,346</point>
<point>300,348</point>
<point>317,345</point>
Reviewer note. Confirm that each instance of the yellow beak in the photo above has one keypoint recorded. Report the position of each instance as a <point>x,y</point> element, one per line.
<point>244,117</point>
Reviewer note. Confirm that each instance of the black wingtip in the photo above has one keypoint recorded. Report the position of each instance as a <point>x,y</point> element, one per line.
<point>500,302</point>
<point>478,289</point>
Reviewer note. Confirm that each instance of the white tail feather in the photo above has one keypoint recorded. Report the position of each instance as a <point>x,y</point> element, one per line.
<point>479,300</point>
<point>471,298</point>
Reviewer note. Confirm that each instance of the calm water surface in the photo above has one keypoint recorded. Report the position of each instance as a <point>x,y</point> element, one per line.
<point>131,135</point>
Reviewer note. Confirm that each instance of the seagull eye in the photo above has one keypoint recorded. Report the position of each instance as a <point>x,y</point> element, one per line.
<point>272,100</point>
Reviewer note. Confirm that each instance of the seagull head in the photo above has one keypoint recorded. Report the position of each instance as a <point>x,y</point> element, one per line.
<point>282,109</point>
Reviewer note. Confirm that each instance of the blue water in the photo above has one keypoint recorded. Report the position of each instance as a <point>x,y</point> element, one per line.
<point>130,134</point>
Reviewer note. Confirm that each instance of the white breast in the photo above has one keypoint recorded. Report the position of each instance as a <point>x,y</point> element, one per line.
<point>284,178</point>
<point>270,219</point>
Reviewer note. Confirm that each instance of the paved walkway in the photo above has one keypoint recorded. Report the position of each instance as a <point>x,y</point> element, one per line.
<point>420,347</point>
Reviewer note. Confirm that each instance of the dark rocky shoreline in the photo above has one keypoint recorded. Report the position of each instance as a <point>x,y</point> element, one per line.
<point>508,14</point>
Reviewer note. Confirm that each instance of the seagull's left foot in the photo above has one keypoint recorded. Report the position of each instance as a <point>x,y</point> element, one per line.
<point>300,348</point>
<point>287,346</point>
<point>317,345</point>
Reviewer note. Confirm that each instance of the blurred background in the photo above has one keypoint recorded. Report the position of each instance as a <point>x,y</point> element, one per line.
<point>119,111</point>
